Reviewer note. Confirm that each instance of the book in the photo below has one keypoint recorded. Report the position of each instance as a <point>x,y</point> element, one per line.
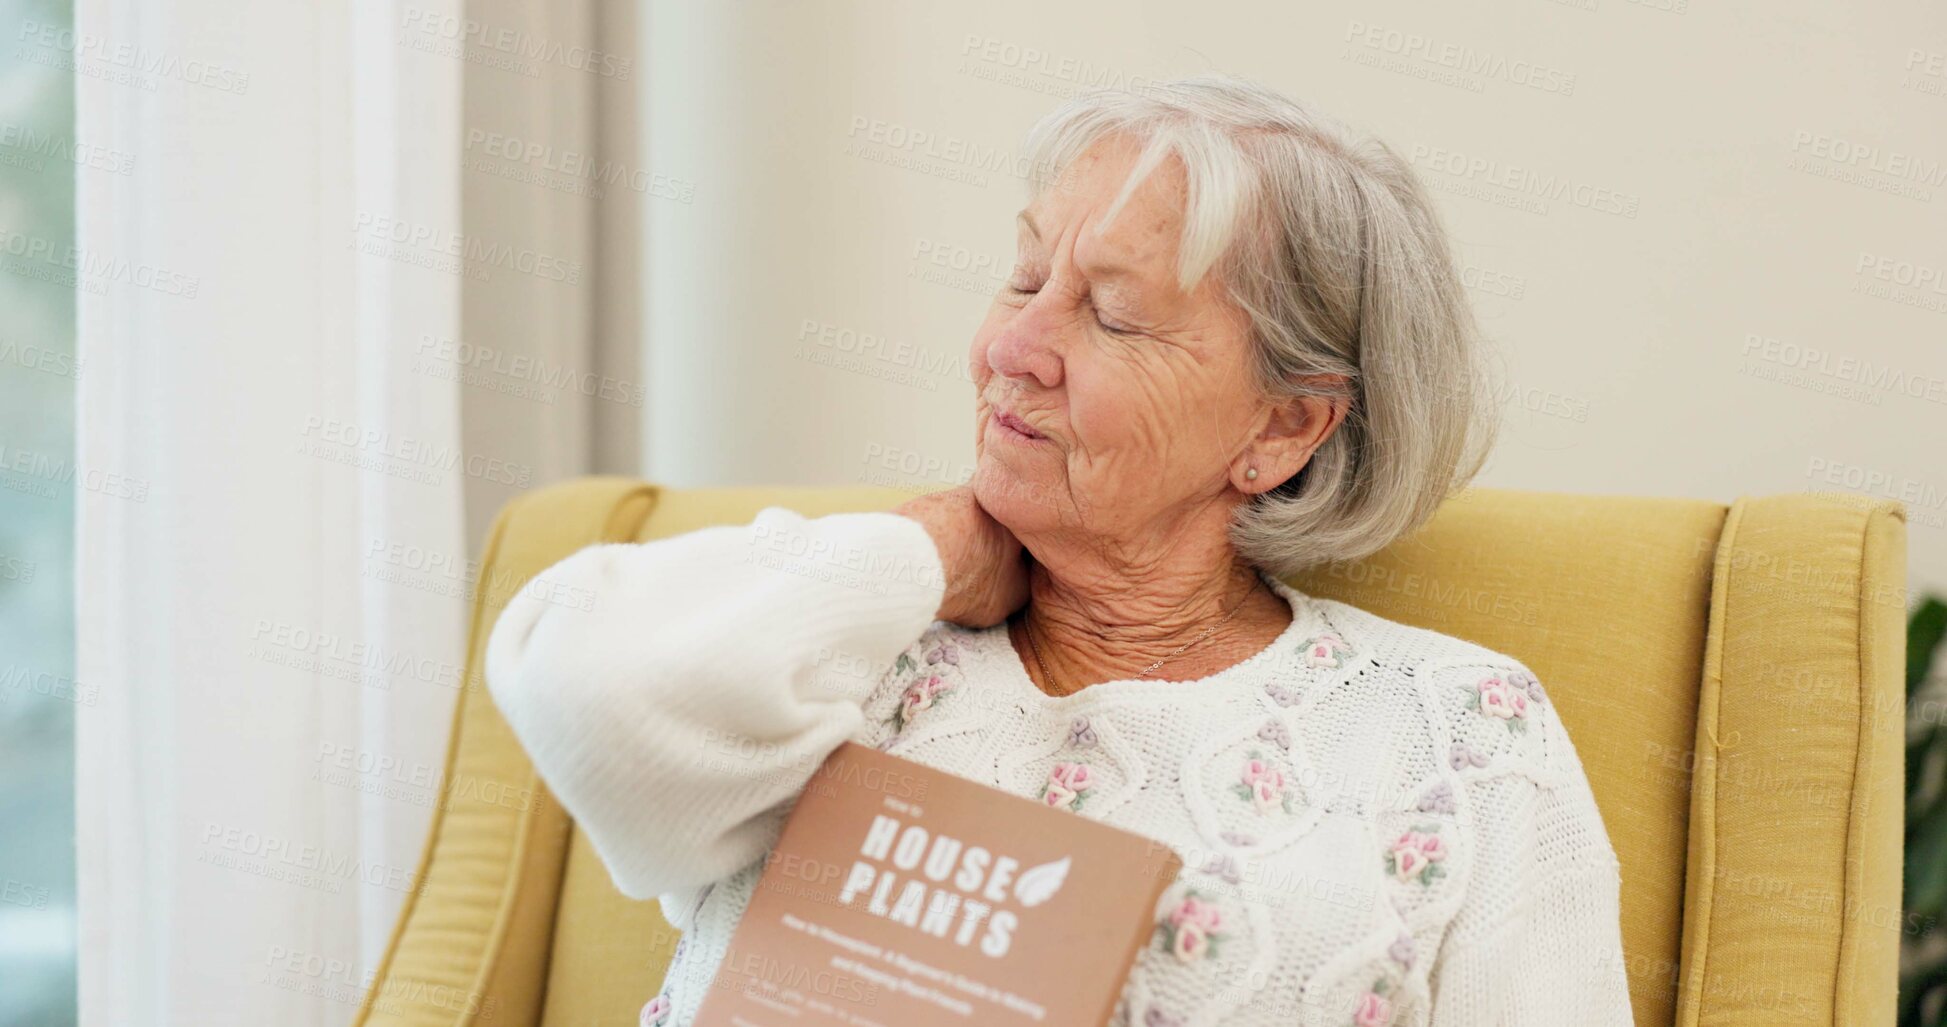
<point>901,895</point>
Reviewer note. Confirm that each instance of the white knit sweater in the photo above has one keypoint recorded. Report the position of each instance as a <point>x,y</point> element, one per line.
<point>1380,824</point>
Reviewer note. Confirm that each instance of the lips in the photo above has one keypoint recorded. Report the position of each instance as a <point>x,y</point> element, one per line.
<point>1014,423</point>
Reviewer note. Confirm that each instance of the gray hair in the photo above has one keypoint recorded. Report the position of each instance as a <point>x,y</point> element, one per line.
<point>1326,239</point>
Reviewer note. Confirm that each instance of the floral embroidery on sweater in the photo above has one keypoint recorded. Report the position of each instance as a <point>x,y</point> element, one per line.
<point>1224,865</point>
<point>1402,950</point>
<point>1528,683</point>
<point>1419,854</point>
<point>1068,785</point>
<point>926,690</point>
<point>1080,734</point>
<point>922,695</point>
<point>1325,651</point>
<point>656,1013</point>
<point>1506,697</point>
<point>1375,1009</point>
<point>1192,929</point>
<point>1262,785</point>
<point>1377,1005</point>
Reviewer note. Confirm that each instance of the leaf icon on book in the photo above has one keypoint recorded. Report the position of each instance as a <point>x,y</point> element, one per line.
<point>1039,884</point>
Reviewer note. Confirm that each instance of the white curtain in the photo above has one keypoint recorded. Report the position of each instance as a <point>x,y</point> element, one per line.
<point>280,484</point>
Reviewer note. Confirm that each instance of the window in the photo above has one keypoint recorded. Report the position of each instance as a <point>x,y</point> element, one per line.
<point>38,694</point>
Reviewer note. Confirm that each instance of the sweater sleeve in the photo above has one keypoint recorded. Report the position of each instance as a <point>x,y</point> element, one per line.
<point>1538,940</point>
<point>680,713</point>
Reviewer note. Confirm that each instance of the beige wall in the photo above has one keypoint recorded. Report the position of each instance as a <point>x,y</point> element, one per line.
<point>1739,288</point>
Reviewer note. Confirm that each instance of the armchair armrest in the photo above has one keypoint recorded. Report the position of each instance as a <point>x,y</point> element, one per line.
<point>472,941</point>
<point>1792,905</point>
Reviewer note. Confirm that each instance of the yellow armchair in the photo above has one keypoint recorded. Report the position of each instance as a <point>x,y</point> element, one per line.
<point>1731,676</point>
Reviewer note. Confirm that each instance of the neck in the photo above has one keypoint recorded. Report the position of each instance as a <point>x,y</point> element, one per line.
<point>1097,619</point>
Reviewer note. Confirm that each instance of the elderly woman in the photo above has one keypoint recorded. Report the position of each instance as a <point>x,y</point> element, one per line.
<point>1234,347</point>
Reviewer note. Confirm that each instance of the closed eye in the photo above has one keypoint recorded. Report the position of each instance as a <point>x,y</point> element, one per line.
<point>1114,328</point>
<point>1026,287</point>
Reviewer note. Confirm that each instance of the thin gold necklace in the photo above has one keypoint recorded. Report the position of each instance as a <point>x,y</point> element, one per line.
<point>1049,674</point>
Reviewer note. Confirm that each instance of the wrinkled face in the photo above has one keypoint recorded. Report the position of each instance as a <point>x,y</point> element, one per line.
<point>1141,393</point>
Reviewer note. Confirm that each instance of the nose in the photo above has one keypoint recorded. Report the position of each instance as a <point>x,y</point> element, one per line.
<point>1024,349</point>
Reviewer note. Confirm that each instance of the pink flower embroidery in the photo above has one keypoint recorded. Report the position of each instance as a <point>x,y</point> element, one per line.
<point>1068,785</point>
<point>1262,785</point>
<point>1418,855</point>
<point>1374,1010</point>
<point>1326,650</point>
<point>919,696</point>
<point>1495,697</point>
<point>1193,928</point>
<point>656,1013</point>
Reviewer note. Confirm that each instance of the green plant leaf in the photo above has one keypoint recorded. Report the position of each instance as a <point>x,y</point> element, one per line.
<point>1915,985</point>
<point>1928,756</point>
<point>1923,982</point>
<point>1926,868</point>
<point>1923,635</point>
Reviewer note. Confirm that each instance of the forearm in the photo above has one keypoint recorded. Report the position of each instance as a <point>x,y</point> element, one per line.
<point>709,680</point>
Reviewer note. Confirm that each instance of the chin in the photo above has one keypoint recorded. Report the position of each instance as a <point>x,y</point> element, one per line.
<point>1018,503</point>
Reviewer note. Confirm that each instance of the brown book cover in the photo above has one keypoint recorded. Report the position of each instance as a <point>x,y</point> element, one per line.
<point>901,895</point>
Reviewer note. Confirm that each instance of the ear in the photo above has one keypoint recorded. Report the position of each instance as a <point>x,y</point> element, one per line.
<point>1293,430</point>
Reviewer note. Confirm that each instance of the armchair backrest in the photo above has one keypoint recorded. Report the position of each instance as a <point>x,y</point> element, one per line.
<point>1731,676</point>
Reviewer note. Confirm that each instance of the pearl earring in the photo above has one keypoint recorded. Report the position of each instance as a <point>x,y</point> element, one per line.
<point>1251,474</point>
